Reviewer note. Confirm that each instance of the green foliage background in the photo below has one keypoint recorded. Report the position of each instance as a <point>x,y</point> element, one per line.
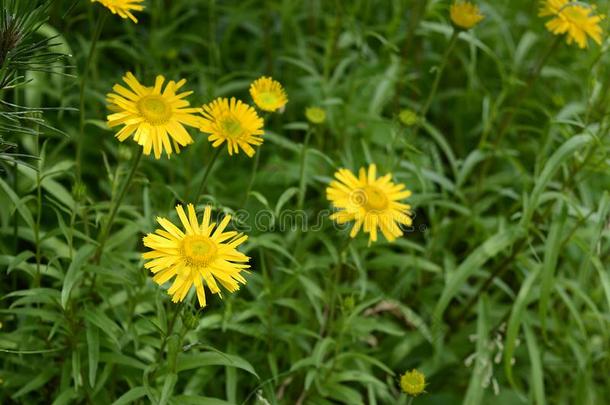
<point>503,281</point>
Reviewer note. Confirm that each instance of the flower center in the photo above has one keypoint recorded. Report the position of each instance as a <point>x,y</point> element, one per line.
<point>268,98</point>
<point>372,198</point>
<point>232,127</point>
<point>575,14</point>
<point>198,250</point>
<point>155,109</point>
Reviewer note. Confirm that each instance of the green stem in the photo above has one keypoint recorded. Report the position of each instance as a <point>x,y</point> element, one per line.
<point>206,174</point>
<point>522,95</point>
<point>38,211</point>
<point>302,182</point>
<point>103,236</point>
<point>334,287</point>
<point>417,12</point>
<point>437,78</point>
<point>428,103</point>
<point>170,328</point>
<point>83,84</point>
<point>257,159</point>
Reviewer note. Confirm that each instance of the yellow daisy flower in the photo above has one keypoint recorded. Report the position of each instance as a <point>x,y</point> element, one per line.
<point>196,256</point>
<point>369,201</point>
<point>413,382</point>
<point>122,7</point>
<point>315,115</point>
<point>268,94</point>
<point>234,122</point>
<point>575,20</point>
<point>465,15</point>
<point>155,118</point>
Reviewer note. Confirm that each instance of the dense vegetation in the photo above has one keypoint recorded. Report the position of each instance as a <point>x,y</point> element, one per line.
<point>499,291</point>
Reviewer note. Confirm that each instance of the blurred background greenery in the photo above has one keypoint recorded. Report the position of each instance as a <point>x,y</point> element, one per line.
<point>500,292</point>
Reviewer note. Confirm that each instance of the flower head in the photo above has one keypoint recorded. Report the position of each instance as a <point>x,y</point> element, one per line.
<point>234,122</point>
<point>315,115</point>
<point>196,256</point>
<point>369,201</point>
<point>268,94</point>
<point>465,15</point>
<point>156,118</point>
<point>413,382</point>
<point>408,117</point>
<point>576,20</point>
<point>123,7</point>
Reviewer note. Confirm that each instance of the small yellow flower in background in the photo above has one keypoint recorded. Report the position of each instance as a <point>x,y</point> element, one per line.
<point>413,382</point>
<point>369,201</point>
<point>574,19</point>
<point>268,94</point>
<point>465,15</point>
<point>123,7</point>
<point>154,117</point>
<point>408,117</point>
<point>315,115</point>
<point>197,256</point>
<point>232,121</point>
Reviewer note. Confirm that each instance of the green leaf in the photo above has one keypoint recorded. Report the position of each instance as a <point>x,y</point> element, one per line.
<point>481,358</point>
<point>93,351</point>
<point>494,245</point>
<point>35,383</point>
<point>65,397</point>
<point>537,380</point>
<point>193,400</point>
<point>74,274</point>
<point>21,207</point>
<point>516,319</point>
<point>168,388</point>
<point>284,198</point>
<point>130,396</point>
<point>551,253</point>
<point>550,168</point>
<point>97,317</point>
<point>187,361</point>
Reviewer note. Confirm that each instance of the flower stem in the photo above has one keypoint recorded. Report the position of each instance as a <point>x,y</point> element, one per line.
<point>437,79</point>
<point>522,95</point>
<point>302,182</point>
<point>206,174</point>
<point>428,103</point>
<point>83,84</point>
<point>257,159</point>
<point>103,236</point>
<point>334,285</point>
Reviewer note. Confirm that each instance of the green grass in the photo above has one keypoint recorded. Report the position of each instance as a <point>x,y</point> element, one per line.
<point>502,284</point>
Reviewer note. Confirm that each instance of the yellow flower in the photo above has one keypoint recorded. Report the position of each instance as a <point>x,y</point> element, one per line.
<point>268,94</point>
<point>465,15</point>
<point>234,122</point>
<point>196,256</point>
<point>413,382</point>
<point>315,115</point>
<point>369,201</point>
<point>123,7</point>
<point>154,117</point>
<point>575,20</point>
